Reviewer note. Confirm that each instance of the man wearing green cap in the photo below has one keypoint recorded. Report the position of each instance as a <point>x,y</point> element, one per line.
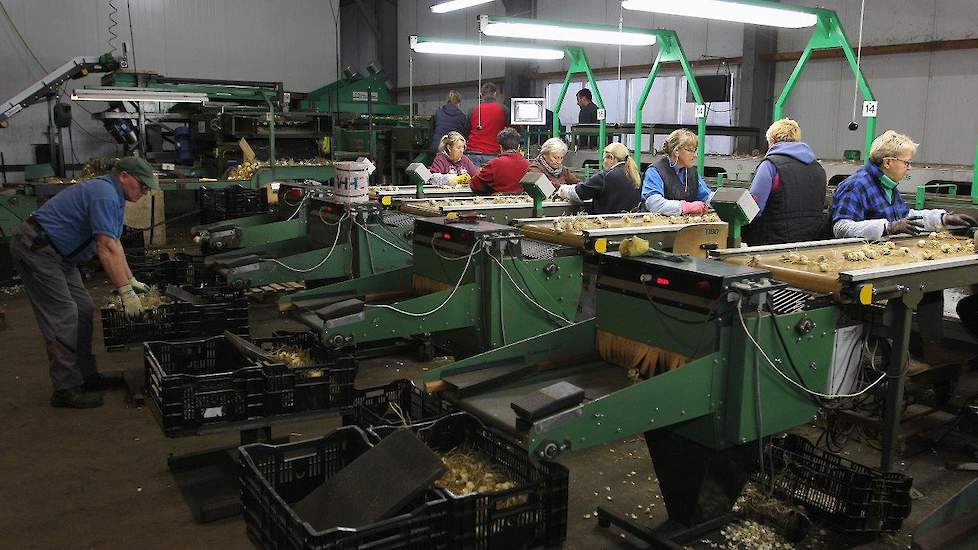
<point>78,223</point>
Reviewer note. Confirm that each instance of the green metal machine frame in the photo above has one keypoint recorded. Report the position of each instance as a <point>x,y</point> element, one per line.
<point>360,243</point>
<point>579,64</point>
<point>474,310</point>
<point>828,35</point>
<point>671,50</point>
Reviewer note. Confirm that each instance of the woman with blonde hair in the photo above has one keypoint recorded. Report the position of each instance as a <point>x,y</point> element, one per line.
<point>789,189</point>
<point>451,157</point>
<point>612,190</point>
<point>550,162</point>
<point>449,118</point>
<point>672,186</point>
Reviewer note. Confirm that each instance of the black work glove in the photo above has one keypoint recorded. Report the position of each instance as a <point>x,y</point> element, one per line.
<point>911,226</point>
<point>959,221</point>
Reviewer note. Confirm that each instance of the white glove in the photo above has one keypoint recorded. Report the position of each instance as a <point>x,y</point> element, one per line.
<point>130,302</point>
<point>138,288</point>
<point>565,191</point>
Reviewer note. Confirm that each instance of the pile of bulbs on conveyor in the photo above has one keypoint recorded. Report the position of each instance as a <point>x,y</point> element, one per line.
<point>488,199</point>
<point>245,170</point>
<point>576,224</point>
<point>936,245</point>
<point>944,243</point>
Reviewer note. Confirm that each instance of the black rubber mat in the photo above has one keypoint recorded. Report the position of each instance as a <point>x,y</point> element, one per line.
<point>378,484</point>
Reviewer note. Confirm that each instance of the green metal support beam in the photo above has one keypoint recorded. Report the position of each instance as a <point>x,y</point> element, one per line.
<point>829,35</point>
<point>671,50</point>
<point>579,64</point>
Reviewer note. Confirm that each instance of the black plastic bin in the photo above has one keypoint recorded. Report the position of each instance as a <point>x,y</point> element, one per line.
<point>167,268</point>
<point>531,514</point>
<point>197,382</point>
<point>231,202</point>
<point>372,406</point>
<point>219,309</point>
<point>327,383</point>
<point>274,477</point>
<point>849,496</point>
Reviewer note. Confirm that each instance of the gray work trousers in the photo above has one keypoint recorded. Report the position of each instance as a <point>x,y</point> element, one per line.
<point>61,304</point>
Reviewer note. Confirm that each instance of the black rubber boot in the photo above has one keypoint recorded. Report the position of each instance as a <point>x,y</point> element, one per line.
<point>99,382</point>
<point>75,398</point>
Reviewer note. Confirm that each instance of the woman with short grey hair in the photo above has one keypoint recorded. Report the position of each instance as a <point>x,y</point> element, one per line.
<point>550,162</point>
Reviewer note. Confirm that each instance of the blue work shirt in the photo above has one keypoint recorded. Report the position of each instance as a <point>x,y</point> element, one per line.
<point>83,210</point>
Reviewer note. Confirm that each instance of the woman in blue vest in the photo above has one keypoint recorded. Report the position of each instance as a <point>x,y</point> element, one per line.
<point>672,186</point>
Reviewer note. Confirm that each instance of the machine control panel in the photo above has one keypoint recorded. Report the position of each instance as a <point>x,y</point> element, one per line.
<point>702,278</point>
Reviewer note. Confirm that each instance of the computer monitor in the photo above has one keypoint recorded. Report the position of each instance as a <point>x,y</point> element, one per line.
<point>528,111</point>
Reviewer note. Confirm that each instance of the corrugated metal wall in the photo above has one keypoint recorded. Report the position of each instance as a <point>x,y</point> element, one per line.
<point>928,95</point>
<point>288,40</point>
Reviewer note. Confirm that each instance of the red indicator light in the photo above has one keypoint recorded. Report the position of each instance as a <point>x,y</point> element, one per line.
<point>662,281</point>
<point>328,209</point>
<point>446,236</point>
<point>295,192</point>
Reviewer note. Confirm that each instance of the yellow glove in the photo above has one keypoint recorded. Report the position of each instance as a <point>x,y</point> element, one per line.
<point>130,302</point>
<point>633,246</point>
<point>462,179</point>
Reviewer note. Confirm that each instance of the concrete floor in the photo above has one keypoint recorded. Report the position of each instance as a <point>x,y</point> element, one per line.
<point>98,478</point>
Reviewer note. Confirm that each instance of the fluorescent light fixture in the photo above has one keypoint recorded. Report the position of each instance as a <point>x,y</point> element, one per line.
<point>515,27</point>
<point>142,95</point>
<point>757,12</point>
<point>423,44</point>
<point>453,5</point>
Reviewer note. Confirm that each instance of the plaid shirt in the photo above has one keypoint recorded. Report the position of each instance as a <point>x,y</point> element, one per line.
<point>860,197</point>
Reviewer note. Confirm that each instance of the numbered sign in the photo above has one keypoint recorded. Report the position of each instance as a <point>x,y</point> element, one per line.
<point>869,109</point>
<point>601,114</point>
<point>700,111</point>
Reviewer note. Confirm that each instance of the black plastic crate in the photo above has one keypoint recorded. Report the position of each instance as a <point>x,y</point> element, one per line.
<point>849,496</point>
<point>132,237</point>
<point>221,308</point>
<point>531,514</point>
<point>168,268</point>
<point>230,202</point>
<point>373,406</point>
<point>275,477</point>
<point>197,382</point>
<point>326,383</point>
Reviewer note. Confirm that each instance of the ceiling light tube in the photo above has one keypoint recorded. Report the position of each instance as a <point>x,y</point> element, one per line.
<point>757,12</point>
<point>137,94</point>
<point>454,5</point>
<point>423,44</point>
<point>538,29</point>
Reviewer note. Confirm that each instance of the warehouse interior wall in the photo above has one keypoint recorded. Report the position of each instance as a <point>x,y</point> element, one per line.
<point>928,95</point>
<point>292,41</point>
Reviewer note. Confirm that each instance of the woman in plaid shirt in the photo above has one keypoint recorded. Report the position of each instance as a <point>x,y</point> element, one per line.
<point>868,205</point>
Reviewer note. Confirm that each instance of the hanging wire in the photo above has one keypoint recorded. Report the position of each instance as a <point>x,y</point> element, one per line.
<point>410,87</point>
<point>859,55</point>
<point>21,37</point>
<point>478,93</point>
<point>113,23</point>
<point>132,38</point>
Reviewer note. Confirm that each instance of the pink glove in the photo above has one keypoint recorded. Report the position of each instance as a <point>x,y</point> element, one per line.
<point>695,207</point>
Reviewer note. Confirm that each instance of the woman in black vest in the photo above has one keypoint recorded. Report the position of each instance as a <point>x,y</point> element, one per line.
<point>612,190</point>
<point>789,188</point>
<point>672,186</point>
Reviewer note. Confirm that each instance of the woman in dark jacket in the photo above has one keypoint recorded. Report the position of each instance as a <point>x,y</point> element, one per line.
<point>449,118</point>
<point>615,189</point>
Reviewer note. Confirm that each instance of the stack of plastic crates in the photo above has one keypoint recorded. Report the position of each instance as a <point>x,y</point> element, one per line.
<point>166,268</point>
<point>215,310</point>
<point>275,477</point>
<point>231,202</point>
<point>848,496</point>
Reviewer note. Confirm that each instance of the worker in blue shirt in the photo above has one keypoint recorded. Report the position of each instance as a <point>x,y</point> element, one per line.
<point>672,186</point>
<point>77,224</point>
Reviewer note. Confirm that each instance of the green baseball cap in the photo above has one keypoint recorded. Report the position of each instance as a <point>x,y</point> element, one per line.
<point>140,169</point>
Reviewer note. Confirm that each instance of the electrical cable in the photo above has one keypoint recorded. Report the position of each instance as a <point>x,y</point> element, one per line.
<point>132,39</point>
<point>163,222</point>
<point>740,315</point>
<point>21,37</point>
<point>525,295</point>
<point>336,239</point>
<point>458,284</point>
<point>859,55</point>
<point>297,208</point>
<point>446,258</point>
<point>113,23</point>
<point>364,227</point>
